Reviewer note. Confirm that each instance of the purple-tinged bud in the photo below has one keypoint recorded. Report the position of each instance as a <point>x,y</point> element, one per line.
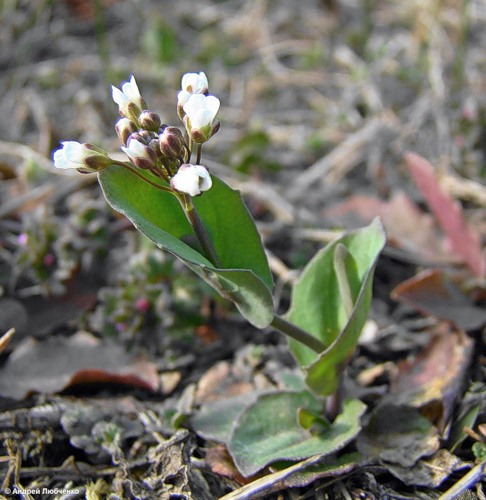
<point>172,143</point>
<point>154,145</point>
<point>141,155</point>
<point>147,136</point>
<point>149,120</point>
<point>124,129</point>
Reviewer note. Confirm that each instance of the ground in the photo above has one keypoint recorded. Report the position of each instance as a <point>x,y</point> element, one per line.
<point>332,113</point>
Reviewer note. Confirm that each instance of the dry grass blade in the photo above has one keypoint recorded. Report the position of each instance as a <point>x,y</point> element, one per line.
<point>335,165</point>
<point>6,338</point>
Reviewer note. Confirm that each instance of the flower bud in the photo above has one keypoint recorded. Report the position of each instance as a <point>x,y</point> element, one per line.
<point>124,129</point>
<point>149,120</point>
<point>130,102</point>
<point>141,155</point>
<point>191,179</point>
<point>172,144</point>
<point>155,146</point>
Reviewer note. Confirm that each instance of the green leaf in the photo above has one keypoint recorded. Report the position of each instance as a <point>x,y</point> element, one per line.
<point>244,277</point>
<point>269,431</point>
<point>337,279</point>
<point>215,420</point>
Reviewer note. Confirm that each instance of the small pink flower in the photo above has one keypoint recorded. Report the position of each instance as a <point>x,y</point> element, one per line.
<point>22,239</point>
<point>142,305</point>
<point>48,260</point>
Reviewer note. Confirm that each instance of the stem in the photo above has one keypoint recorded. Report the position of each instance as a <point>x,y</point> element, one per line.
<point>199,230</point>
<point>199,152</point>
<point>297,333</point>
<point>140,176</point>
<point>334,402</point>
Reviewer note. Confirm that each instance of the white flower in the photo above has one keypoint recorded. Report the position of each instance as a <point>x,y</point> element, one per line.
<point>191,179</point>
<point>192,83</point>
<point>200,112</point>
<point>127,97</point>
<point>195,83</point>
<point>83,157</point>
<point>71,155</point>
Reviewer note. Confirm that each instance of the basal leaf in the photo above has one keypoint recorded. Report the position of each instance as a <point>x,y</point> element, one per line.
<point>269,431</point>
<point>345,266</point>
<point>244,277</point>
<point>216,419</point>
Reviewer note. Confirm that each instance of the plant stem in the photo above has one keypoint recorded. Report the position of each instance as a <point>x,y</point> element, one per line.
<point>297,333</point>
<point>198,154</point>
<point>199,230</point>
<point>334,402</point>
<point>140,176</point>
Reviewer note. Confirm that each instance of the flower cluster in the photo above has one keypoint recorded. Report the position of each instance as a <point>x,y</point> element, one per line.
<point>150,145</point>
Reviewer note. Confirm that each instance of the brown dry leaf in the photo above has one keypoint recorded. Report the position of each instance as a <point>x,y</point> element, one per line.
<point>431,292</point>
<point>408,228</point>
<point>464,241</point>
<point>222,464</point>
<point>429,473</point>
<point>433,380</point>
<point>57,363</point>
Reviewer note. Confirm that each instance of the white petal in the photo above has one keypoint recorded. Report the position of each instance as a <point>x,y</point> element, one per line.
<point>186,181</point>
<point>201,110</point>
<point>71,155</point>
<point>119,97</point>
<point>182,97</point>
<point>130,89</point>
<point>194,104</point>
<point>60,160</point>
<point>75,151</point>
<point>212,105</point>
<point>191,179</point>
<point>135,149</point>
<point>194,83</point>
<point>205,181</point>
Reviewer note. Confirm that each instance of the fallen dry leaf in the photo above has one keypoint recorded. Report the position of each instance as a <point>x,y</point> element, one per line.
<point>430,472</point>
<point>221,463</point>
<point>463,239</point>
<point>54,364</point>
<point>431,292</point>
<point>433,381</point>
<point>408,228</point>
